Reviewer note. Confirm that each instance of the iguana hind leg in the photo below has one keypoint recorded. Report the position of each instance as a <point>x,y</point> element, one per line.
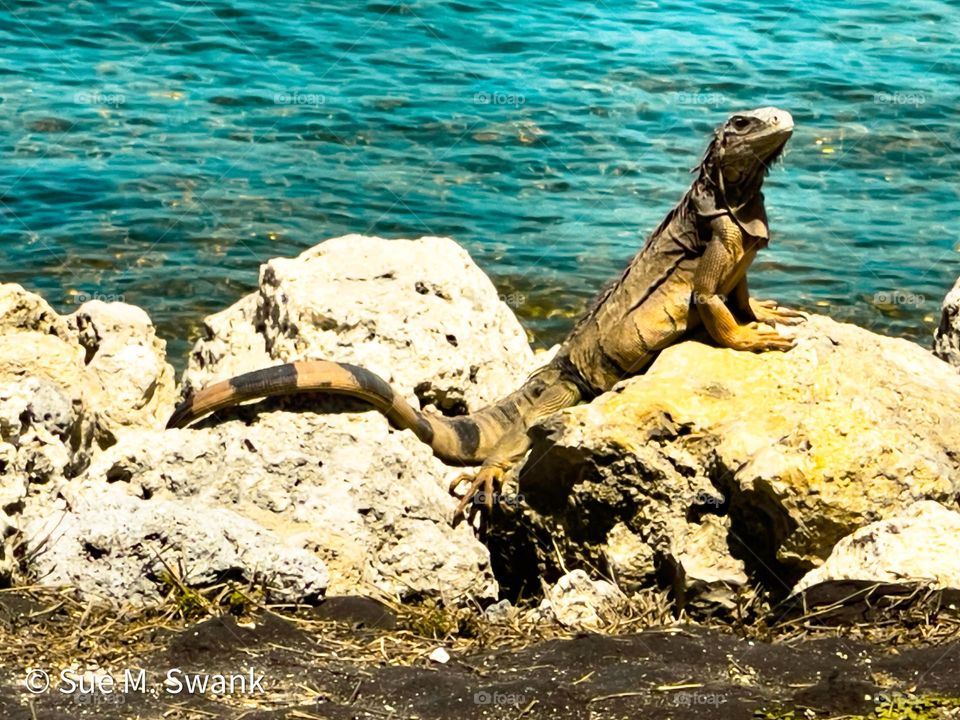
<point>512,446</point>
<point>486,483</point>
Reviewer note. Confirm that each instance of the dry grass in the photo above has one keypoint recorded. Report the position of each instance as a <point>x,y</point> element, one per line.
<point>45,627</point>
<point>42,627</point>
<point>919,617</point>
<point>54,628</point>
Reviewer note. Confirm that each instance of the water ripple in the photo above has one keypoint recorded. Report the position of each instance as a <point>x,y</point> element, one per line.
<point>160,152</point>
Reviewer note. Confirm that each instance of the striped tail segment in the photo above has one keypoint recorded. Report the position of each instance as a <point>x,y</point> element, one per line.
<point>464,440</point>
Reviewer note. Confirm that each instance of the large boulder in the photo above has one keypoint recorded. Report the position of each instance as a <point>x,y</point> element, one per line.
<point>324,475</point>
<point>118,549</point>
<point>946,338</point>
<point>68,385</point>
<point>419,313</point>
<point>716,463</point>
<point>917,545</point>
<point>366,499</point>
<point>301,501</point>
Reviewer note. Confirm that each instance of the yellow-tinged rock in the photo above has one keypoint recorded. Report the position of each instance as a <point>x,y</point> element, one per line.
<point>802,448</point>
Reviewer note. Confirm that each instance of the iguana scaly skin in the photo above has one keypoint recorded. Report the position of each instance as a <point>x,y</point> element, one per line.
<point>690,273</point>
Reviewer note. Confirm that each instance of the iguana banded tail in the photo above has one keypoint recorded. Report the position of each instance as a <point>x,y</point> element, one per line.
<point>690,272</point>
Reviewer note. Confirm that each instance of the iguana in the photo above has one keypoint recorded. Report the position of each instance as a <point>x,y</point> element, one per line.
<point>690,272</point>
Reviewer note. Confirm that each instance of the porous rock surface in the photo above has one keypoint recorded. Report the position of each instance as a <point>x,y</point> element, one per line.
<point>419,313</point>
<point>946,338</point>
<point>716,464</point>
<point>580,602</point>
<point>917,545</point>
<point>68,386</point>
<point>300,497</point>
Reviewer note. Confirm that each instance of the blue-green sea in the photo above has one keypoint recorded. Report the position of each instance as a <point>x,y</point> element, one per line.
<point>158,152</point>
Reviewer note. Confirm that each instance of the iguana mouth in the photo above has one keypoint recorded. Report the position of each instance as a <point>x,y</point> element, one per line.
<point>775,139</point>
<point>771,140</point>
<point>777,154</point>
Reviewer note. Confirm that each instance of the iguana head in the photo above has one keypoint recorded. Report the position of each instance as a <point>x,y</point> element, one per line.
<point>738,158</point>
<point>748,143</point>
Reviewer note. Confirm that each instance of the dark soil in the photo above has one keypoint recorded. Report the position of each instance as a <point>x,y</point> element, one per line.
<point>327,666</point>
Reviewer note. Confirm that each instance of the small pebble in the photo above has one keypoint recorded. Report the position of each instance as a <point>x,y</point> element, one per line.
<point>440,656</point>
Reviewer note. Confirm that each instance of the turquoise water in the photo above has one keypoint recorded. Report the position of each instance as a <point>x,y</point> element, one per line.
<point>157,153</point>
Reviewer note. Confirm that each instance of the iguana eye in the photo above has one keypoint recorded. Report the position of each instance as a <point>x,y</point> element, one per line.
<point>741,123</point>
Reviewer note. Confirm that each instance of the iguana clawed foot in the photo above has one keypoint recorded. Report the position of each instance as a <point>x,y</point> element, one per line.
<point>483,487</point>
<point>757,337</point>
<point>770,313</point>
<point>760,335</point>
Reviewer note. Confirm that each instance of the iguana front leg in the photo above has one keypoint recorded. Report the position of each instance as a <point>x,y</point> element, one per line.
<point>768,312</point>
<point>719,267</point>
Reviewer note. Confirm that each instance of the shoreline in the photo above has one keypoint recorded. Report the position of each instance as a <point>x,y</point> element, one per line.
<point>546,311</point>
